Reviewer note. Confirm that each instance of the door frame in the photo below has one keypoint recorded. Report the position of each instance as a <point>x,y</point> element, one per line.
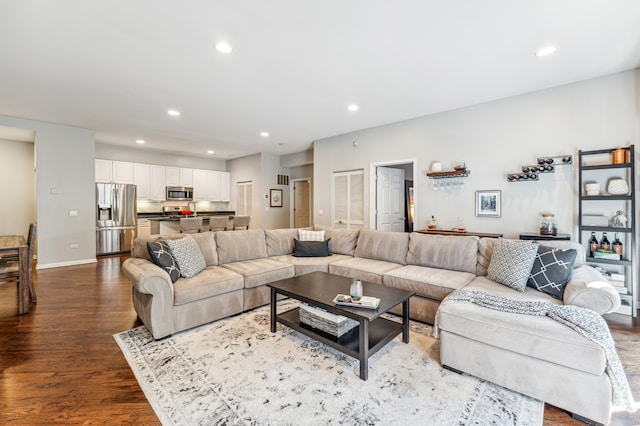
<point>373,186</point>
<point>292,201</point>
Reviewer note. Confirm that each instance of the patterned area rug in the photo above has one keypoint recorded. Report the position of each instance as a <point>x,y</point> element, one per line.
<point>235,371</point>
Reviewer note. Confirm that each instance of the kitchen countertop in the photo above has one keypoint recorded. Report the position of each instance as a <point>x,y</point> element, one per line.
<point>159,216</point>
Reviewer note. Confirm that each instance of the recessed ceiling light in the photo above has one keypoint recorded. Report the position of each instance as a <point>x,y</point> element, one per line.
<point>223,47</point>
<point>173,113</point>
<point>211,152</point>
<point>352,107</point>
<point>264,134</point>
<point>545,51</point>
<point>140,141</point>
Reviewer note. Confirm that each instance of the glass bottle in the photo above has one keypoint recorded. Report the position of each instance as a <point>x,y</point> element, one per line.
<point>617,245</point>
<point>593,244</point>
<point>433,224</point>
<point>355,291</point>
<point>548,224</point>
<point>604,243</point>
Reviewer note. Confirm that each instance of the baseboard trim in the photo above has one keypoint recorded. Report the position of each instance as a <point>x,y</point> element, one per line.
<point>61,264</point>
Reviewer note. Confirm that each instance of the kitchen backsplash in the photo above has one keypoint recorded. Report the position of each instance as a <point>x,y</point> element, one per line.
<point>201,206</point>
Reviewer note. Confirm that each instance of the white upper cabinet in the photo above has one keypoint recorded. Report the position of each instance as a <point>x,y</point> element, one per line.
<point>200,185</point>
<point>103,170</point>
<point>157,185</point>
<point>218,185</point>
<point>122,172</point>
<point>179,176</point>
<point>142,179</point>
<point>225,186</point>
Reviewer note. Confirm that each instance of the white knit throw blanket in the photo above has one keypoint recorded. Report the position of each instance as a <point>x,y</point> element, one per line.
<point>585,321</point>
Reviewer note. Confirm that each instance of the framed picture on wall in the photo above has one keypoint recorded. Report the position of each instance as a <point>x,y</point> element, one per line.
<point>276,198</point>
<point>488,203</point>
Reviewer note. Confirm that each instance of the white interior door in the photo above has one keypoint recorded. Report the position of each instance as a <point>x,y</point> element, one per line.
<point>348,199</point>
<point>301,204</point>
<point>390,199</point>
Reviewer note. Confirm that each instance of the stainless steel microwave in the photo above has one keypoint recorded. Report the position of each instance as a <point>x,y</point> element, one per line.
<point>179,193</point>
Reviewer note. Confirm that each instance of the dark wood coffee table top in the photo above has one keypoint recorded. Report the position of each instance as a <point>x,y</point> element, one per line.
<point>320,288</point>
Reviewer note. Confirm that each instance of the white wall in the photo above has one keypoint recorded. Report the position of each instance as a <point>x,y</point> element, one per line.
<point>274,217</point>
<point>18,191</point>
<point>247,169</point>
<point>65,173</point>
<point>150,156</point>
<point>493,139</point>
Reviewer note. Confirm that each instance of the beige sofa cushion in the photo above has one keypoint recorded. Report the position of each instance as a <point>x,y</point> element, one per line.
<point>211,282</point>
<point>258,272</point>
<point>535,336</point>
<point>237,246</point>
<point>280,241</point>
<point>342,241</point>
<point>206,243</point>
<point>433,283</point>
<point>457,253</point>
<point>380,245</point>
<point>305,265</point>
<point>361,268</point>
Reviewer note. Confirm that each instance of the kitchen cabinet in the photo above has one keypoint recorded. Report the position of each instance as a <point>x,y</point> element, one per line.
<point>200,185</point>
<point>122,172</point>
<point>218,185</point>
<point>141,179</point>
<point>179,176</point>
<point>150,180</point>
<point>144,227</point>
<point>596,167</point>
<point>157,185</point>
<point>103,170</point>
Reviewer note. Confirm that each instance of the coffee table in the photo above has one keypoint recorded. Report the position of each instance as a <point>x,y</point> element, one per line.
<point>319,289</point>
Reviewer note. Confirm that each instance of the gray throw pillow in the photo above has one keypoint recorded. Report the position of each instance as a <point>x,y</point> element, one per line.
<point>311,248</point>
<point>551,270</point>
<point>188,255</point>
<point>161,255</point>
<point>511,262</point>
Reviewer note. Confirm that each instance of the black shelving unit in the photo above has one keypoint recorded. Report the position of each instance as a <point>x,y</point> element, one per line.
<point>627,235</point>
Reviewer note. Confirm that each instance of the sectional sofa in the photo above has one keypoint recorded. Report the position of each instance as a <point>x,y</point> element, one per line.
<point>534,355</point>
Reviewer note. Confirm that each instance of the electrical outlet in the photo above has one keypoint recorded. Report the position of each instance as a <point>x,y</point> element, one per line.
<point>73,213</point>
<point>73,246</point>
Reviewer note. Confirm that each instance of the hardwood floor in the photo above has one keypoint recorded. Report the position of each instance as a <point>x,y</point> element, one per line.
<point>60,363</point>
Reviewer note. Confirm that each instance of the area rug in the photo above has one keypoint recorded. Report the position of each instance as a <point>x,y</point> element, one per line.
<point>235,371</point>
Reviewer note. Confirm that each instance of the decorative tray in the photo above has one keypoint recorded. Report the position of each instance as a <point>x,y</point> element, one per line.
<point>367,302</point>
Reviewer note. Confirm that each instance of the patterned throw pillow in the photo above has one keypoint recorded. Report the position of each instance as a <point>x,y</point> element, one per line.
<point>552,270</point>
<point>511,262</point>
<point>188,256</point>
<point>161,255</point>
<point>307,235</point>
<point>311,248</point>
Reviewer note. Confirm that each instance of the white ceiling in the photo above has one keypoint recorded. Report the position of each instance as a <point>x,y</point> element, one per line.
<point>117,66</point>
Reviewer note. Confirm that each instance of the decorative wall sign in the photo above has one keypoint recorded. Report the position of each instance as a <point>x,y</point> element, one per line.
<point>488,203</point>
<point>276,198</point>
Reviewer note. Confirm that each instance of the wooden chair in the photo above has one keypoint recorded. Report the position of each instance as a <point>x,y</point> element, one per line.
<point>218,223</point>
<point>241,222</point>
<point>190,225</point>
<point>10,267</point>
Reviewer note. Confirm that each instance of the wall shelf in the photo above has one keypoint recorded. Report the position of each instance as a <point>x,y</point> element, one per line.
<point>450,174</point>
<point>543,165</point>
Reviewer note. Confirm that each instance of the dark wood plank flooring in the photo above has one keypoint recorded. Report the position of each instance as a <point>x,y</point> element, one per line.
<point>60,363</point>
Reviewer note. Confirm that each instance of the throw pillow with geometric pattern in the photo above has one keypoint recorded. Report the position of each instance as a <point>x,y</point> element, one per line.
<point>511,262</point>
<point>551,270</point>
<point>160,254</point>
<point>188,255</point>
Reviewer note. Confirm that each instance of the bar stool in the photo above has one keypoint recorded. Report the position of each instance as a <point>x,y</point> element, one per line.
<point>241,222</point>
<point>10,267</point>
<point>190,225</point>
<point>218,223</point>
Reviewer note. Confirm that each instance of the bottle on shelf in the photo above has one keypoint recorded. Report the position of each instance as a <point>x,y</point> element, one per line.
<point>617,245</point>
<point>433,224</point>
<point>593,244</point>
<point>604,243</point>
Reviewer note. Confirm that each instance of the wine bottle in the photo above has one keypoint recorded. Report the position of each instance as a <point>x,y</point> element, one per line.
<point>604,243</point>
<point>617,245</point>
<point>525,169</point>
<point>593,244</point>
<point>541,161</point>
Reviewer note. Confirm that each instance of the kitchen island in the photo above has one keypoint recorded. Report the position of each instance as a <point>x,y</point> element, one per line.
<point>171,224</point>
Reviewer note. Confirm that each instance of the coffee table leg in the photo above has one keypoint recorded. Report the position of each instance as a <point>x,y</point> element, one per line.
<point>364,349</point>
<point>273,310</point>
<point>405,321</point>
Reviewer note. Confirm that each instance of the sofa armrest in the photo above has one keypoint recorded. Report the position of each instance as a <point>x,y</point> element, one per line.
<point>148,278</point>
<point>589,289</point>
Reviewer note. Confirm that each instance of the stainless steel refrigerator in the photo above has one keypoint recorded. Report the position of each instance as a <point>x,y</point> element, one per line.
<point>116,217</point>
